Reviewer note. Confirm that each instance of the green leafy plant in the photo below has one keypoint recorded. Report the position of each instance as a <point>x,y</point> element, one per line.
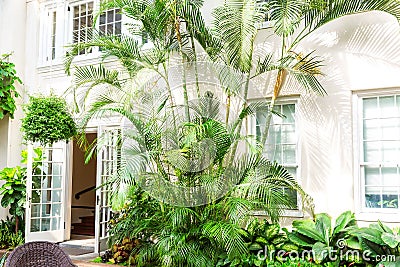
<point>48,120</point>
<point>378,239</point>
<point>13,191</point>
<point>324,238</point>
<point>8,93</point>
<point>10,239</point>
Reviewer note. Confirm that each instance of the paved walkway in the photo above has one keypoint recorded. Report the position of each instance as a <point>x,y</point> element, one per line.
<point>81,263</point>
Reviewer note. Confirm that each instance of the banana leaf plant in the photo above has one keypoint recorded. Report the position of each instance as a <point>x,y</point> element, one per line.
<point>378,239</point>
<point>323,238</point>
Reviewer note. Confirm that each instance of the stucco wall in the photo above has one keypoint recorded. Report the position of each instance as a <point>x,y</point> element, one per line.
<point>12,40</point>
<point>360,52</point>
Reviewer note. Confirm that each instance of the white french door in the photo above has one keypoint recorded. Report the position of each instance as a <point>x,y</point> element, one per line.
<point>46,183</point>
<point>107,164</point>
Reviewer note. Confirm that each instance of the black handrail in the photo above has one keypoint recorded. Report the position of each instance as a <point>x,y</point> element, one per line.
<point>83,207</point>
<point>78,195</point>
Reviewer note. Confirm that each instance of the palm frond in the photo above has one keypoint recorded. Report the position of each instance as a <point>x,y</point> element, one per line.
<point>235,24</point>
<point>286,15</point>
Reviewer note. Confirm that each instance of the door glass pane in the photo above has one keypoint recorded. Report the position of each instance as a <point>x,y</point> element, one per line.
<point>35,210</point>
<point>55,223</point>
<point>56,210</point>
<point>45,225</point>
<point>35,225</point>
<point>56,196</point>
<point>57,182</point>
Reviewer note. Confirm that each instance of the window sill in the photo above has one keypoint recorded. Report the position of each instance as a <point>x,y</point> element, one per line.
<point>56,68</point>
<point>287,213</point>
<point>264,25</point>
<point>374,215</point>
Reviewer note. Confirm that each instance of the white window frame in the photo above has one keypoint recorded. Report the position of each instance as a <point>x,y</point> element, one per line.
<point>362,212</point>
<point>298,213</point>
<point>70,30</point>
<point>46,31</point>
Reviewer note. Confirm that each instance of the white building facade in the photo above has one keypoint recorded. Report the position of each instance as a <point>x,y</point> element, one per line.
<point>344,148</point>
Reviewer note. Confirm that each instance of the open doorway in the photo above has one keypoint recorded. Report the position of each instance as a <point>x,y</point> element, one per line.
<point>83,197</point>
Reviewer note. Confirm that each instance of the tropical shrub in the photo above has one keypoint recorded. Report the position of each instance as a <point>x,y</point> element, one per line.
<point>8,93</point>
<point>10,239</point>
<point>48,120</point>
<point>13,191</point>
<point>378,239</point>
<point>324,239</point>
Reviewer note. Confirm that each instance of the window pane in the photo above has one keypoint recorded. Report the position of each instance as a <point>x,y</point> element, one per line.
<point>118,27</point>
<point>390,201</point>
<point>370,107</point>
<point>371,129</point>
<point>372,152</point>
<point>387,107</point>
<point>102,18</point>
<point>372,176</point>
<point>118,15</point>
<point>289,154</point>
<point>110,16</point>
<point>390,151</point>
<point>390,128</point>
<point>373,199</point>
<point>274,153</point>
<point>390,177</point>
<point>288,134</point>
<point>288,111</point>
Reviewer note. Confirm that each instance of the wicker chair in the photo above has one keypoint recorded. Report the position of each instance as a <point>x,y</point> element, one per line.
<point>39,254</point>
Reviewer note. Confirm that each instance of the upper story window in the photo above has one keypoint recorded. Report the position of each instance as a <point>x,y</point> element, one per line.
<point>380,152</point>
<point>82,23</point>
<point>110,22</point>
<point>49,47</point>
<point>53,34</point>
<point>281,144</point>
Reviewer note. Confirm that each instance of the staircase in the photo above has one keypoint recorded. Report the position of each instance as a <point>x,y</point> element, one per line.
<point>85,227</point>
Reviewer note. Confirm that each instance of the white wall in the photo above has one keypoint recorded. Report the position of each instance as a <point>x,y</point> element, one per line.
<point>12,39</point>
<point>360,52</point>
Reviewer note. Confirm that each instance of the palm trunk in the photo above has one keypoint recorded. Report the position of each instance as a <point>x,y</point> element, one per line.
<point>196,74</point>
<point>228,108</point>
<point>277,89</point>
<point>238,124</point>
<point>184,85</point>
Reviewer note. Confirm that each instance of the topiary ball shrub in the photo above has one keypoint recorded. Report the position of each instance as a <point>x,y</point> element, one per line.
<point>48,120</point>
